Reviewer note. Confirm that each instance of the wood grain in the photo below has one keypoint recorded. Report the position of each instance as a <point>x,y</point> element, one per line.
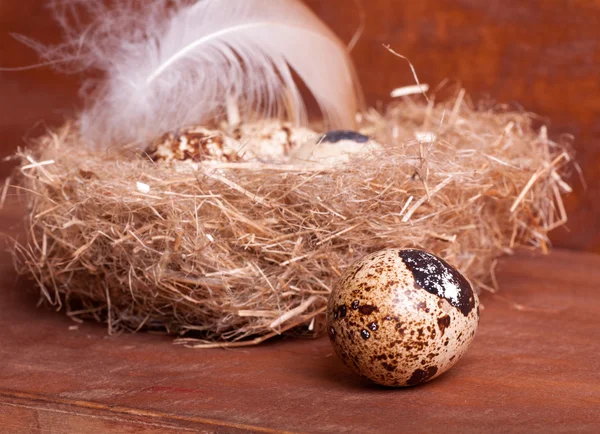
<point>532,368</point>
<point>34,415</point>
<point>541,55</point>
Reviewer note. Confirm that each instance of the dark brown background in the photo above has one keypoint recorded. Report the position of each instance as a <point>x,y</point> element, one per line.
<point>541,54</point>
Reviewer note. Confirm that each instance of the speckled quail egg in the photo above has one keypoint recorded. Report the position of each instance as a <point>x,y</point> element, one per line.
<point>272,140</point>
<point>195,144</point>
<point>402,317</point>
<point>336,147</point>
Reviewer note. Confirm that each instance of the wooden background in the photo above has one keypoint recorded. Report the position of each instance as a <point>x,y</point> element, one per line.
<point>541,54</point>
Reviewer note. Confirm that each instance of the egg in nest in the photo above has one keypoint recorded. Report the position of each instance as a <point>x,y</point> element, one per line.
<point>272,140</point>
<point>402,317</point>
<point>196,144</point>
<point>336,147</point>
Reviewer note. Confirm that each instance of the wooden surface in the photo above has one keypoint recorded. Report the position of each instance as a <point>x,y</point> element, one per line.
<point>533,367</point>
<point>541,54</point>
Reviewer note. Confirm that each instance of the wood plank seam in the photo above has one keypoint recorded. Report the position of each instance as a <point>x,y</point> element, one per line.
<point>7,395</point>
<point>95,416</point>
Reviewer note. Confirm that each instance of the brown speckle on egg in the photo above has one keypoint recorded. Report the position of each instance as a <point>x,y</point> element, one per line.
<point>408,305</point>
<point>443,323</point>
<point>367,309</point>
<point>421,376</point>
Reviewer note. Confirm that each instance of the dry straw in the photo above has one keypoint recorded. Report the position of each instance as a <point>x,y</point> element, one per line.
<point>233,254</point>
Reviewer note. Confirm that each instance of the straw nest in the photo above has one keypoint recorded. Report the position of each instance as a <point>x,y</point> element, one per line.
<point>235,253</point>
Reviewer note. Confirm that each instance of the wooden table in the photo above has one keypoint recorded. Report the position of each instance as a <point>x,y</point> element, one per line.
<point>534,367</point>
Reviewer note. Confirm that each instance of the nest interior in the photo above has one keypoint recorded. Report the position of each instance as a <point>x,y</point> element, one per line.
<point>236,253</point>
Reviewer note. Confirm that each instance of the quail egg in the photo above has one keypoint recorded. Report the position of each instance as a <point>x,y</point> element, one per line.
<point>272,140</point>
<point>195,144</point>
<point>402,317</point>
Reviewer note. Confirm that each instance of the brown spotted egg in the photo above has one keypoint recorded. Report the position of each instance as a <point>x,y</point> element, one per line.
<point>402,317</point>
<point>195,144</point>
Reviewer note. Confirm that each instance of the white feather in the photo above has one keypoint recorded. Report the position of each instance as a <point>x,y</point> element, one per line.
<point>166,67</point>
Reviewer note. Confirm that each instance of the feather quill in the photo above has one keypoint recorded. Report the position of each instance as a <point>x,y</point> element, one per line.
<point>167,64</point>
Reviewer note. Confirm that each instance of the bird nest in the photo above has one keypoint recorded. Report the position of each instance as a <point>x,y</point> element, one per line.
<point>233,253</point>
